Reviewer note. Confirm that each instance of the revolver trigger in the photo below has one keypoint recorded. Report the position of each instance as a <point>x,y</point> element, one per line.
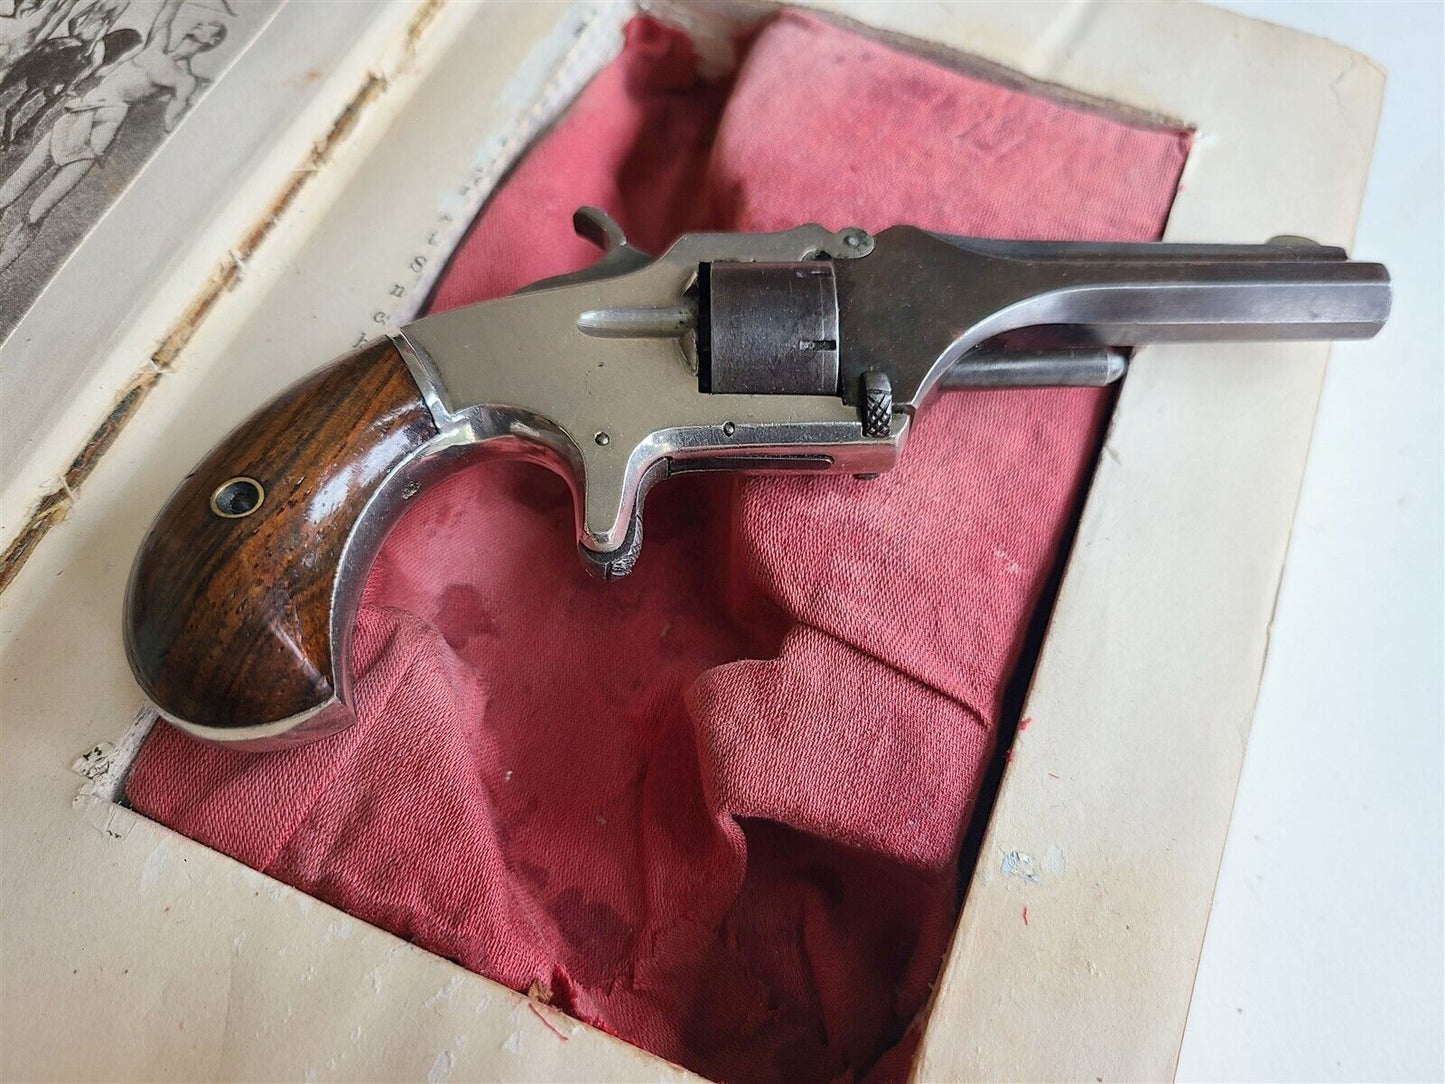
<point>616,563</point>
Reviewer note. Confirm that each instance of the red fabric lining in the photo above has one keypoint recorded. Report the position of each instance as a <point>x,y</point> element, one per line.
<point>715,808</point>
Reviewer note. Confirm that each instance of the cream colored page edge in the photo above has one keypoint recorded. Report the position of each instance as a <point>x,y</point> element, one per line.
<point>173,961</point>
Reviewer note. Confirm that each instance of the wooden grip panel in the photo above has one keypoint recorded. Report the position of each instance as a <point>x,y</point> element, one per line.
<point>228,612</point>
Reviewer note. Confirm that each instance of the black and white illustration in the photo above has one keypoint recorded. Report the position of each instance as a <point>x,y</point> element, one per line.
<point>89,90</point>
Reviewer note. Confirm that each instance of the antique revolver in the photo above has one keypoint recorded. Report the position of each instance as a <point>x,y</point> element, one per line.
<point>801,350</point>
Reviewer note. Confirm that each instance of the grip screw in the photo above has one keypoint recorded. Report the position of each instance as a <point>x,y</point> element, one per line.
<point>237,498</point>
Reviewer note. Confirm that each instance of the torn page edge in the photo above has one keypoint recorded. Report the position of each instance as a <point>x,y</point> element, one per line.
<point>106,765</point>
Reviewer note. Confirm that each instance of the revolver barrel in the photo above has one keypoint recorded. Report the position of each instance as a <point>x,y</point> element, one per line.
<point>1127,294</point>
<point>947,296</point>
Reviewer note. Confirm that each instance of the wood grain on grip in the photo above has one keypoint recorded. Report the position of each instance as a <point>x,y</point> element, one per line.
<point>227,620</point>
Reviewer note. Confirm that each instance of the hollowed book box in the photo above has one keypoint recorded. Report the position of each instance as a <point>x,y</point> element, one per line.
<point>362,146</point>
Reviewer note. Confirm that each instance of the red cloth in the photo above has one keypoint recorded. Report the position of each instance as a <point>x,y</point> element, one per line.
<point>714,808</point>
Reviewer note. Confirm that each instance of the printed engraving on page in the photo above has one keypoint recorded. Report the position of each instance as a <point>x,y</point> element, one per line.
<point>89,91</point>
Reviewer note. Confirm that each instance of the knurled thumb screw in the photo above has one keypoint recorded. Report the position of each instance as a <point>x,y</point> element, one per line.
<point>875,404</point>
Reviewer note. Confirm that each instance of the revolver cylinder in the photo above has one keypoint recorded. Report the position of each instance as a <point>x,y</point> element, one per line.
<point>768,328</point>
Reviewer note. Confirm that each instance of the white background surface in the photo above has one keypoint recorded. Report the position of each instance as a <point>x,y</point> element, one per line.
<point>1324,957</point>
